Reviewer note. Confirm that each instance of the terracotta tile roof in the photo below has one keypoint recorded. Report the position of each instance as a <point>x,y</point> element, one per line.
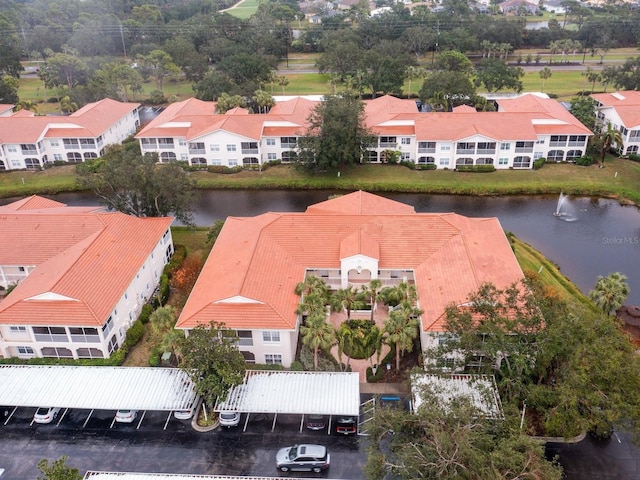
<point>625,103</point>
<point>192,119</point>
<point>91,121</point>
<point>4,107</point>
<point>249,278</point>
<point>33,202</point>
<point>88,257</point>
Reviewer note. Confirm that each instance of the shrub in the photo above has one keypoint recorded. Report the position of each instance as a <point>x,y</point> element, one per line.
<point>296,366</point>
<point>371,378</point>
<point>306,358</point>
<point>634,157</point>
<point>179,254</point>
<point>539,163</point>
<point>223,169</point>
<point>428,166</point>
<point>145,313</point>
<point>584,161</point>
<point>155,357</point>
<point>134,334</point>
<point>476,168</point>
<point>156,97</point>
<point>410,165</point>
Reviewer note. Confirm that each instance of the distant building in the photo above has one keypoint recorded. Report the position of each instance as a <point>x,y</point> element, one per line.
<point>524,128</point>
<point>622,111</point>
<point>30,142</point>
<point>82,277</point>
<point>518,7</point>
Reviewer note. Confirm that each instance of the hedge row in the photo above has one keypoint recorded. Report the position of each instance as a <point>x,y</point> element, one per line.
<point>475,168</point>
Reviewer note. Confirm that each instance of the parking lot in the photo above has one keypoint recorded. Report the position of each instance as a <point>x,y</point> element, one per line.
<point>102,444</point>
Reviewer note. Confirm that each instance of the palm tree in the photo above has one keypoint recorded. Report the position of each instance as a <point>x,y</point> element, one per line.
<point>344,336</point>
<point>372,292</point>
<point>400,330</point>
<point>348,299</point>
<point>610,292</point>
<point>172,342</point>
<point>609,138</point>
<point>439,101</point>
<point>544,74</point>
<point>316,334</point>
<point>163,319</point>
<point>283,81</point>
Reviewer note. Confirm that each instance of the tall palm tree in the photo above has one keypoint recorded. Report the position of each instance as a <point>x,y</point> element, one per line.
<point>344,337</point>
<point>610,292</point>
<point>400,329</point>
<point>348,299</point>
<point>172,342</point>
<point>544,74</point>
<point>372,292</point>
<point>609,138</point>
<point>163,319</point>
<point>316,334</point>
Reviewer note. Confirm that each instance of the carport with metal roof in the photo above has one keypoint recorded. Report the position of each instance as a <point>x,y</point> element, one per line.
<point>96,388</point>
<point>296,393</point>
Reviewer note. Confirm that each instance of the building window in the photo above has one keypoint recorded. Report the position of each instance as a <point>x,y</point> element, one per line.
<point>632,150</point>
<point>87,143</point>
<point>574,154</point>
<point>249,147</point>
<point>182,142</point>
<point>503,161</point>
<point>271,337</point>
<point>466,147</point>
<point>165,143</point>
<point>486,147</point>
<point>484,161</point>
<point>288,142</point>
<point>71,143</point>
<point>107,327</point>
<point>90,155</point>
<point>555,155</point>
<point>198,161</point>
<point>74,157</point>
<point>464,161</point>
<point>148,142</point>
<point>524,147</point>
<point>405,157</point>
<point>54,143</point>
<point>445,148</point>
<point>32,163</point>
<point>271,156</point>
<point>184,157</point>
<point>558,141</point>
<point>216,162</point>
<point>273,359</point>
<point>89,353</point>
<point>405,141</point>
<point>214,147</point>
<point>231,148</point>
<point>113,345</point>
<point>444,162</point>
<point>245,338</point>
<point>289,156</point>
<point>84,334</point>
<point>17,329</point>
<point>426,147</point>
<point>167,157</point>
<point>522,162</point>
<point>387,142</point>
<point>196,148</point>
<point>57,157</point>
<point>248,161</point>
<point>24,350</point>
<point>634,136</point>
<point>12,149</point>
<point>426,160</point>
<point>271,142</point>
<point>233,162</point>
<point>577,140</point>
<point>50,334</point>
<point>56,352</point>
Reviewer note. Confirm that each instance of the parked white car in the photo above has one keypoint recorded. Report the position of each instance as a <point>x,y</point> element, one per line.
<point>46,414</point>
<point>309,458</point>
<point>229,419</point>
<point>126,416</point>
<point>185,414</point>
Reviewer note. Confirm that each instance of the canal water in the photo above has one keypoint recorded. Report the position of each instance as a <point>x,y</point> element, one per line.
<point>590,237</point>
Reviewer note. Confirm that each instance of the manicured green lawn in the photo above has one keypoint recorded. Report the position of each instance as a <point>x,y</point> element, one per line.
<point>244,9</point>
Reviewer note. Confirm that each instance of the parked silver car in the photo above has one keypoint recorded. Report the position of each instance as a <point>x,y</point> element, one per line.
<point>303,458</point>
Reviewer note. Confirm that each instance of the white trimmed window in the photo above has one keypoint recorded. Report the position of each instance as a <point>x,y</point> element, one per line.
<point>231,148</point>
<point>405,141</point>
<point>503,161</point>
<point>505,146</point>
<point>233,162</point>
<point>271,336</point>
<point>16,329</point>
<point>273,359</point>
<point>444,162</point>
<point>271,142</point>
<point>214,147</point>
<point>25,350</point>
<point>445,148</point>
<point>272,156</point>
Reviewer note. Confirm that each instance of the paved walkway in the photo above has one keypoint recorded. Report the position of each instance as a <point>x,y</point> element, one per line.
<point>384,388</point>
